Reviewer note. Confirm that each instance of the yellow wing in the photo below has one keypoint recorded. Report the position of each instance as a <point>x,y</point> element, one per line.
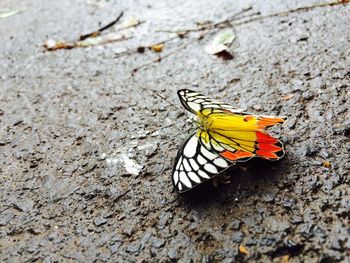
<point>240,136</point>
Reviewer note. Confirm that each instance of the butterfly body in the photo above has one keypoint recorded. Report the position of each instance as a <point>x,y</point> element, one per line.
<point>224,135</point>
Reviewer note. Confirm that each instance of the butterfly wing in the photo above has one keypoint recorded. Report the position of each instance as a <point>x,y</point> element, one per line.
<point>196,163</point>
<point>195,102</point>
<point>233,133</point>
<point>226,135</point>
<point>234,148</point>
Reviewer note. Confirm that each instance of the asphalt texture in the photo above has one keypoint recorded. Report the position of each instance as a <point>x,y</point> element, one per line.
<point>87,146</point>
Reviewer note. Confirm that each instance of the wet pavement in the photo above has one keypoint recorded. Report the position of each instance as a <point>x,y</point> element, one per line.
<point>87,145</point>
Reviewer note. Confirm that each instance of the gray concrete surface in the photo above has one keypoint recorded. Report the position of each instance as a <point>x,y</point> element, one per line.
<point>70,119</point>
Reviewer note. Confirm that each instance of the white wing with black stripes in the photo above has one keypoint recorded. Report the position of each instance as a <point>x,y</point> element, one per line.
<point>195,102</point>
<point>195,164</point>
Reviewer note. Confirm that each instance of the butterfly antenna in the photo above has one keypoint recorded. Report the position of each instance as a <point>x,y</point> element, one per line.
<point>173,105</point>
<point>170,103</point>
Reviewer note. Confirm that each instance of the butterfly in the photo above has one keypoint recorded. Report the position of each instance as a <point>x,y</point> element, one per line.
<point>224,136</point>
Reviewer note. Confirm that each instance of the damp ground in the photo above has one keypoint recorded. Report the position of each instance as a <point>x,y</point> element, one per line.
<point>87,143</point>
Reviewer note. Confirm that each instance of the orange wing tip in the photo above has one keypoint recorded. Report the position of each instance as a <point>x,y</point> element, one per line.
<point>265,138</point>
<point>236,155</point>
<point>267,154</point>
<point>269,147</point>
<point>270,121</point>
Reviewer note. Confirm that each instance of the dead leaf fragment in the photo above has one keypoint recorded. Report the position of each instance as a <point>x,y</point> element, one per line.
<point>100,40</point>
<point>225,55</point>
<point>220,43</point>
<point>52,45</point>
<point>203,23</point>
<point>287,97</point>
<point>244,250</point>
<point>157,47</point>
<point>130,22</point>
<point>10,13</point>
<point>326,164</point>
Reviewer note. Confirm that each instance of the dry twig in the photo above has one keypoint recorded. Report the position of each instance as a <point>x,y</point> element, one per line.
<point>160,58</point>
<point>99,31</point>
<point>235,19</point>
